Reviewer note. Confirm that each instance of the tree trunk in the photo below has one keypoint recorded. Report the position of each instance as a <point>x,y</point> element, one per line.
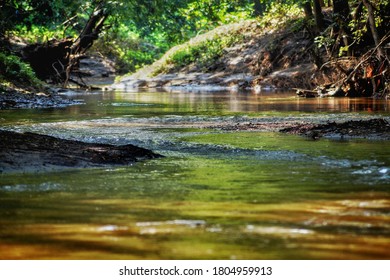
<point>341,8</point>
<point>374,31</point>
<point>308,10</point>
<point>258,10</point>
<point>342,14</point>
<point>319,17</point>
<point>85,40</point>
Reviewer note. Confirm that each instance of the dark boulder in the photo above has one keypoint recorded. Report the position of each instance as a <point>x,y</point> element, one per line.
<point>30,152</point>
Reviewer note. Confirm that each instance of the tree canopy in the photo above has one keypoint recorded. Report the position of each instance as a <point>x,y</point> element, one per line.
<point>137,32</point>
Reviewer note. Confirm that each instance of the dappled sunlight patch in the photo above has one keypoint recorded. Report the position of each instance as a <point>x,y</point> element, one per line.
<point>283,232</point>
<point>172,226</point>
<point>76,241</point>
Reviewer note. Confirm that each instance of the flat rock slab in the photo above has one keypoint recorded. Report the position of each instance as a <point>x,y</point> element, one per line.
<point>30,152</point>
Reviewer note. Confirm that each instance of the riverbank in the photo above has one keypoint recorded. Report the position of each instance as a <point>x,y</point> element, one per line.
<point>96,72</point>
<point>257,58</point>
<point>283,56</point>
<point>18,98</point>
<point>250,55</point>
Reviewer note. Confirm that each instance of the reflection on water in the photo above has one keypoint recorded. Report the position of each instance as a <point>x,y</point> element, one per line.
<point>248,195</point>
<point>109,104</point>
<point>254,102</point>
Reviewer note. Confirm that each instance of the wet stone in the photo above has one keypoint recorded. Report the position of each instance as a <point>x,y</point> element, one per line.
<point>373,128</point>
<point>30,152</point>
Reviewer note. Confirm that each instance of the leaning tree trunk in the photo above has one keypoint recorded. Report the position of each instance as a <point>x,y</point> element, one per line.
<point>55,60</point>
<point>374,31</point>
<point>85,40</point>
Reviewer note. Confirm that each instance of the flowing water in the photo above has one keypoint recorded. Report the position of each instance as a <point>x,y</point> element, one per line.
<point>215,195</point>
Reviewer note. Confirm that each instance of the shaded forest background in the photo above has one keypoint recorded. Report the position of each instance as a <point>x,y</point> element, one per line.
<point>136,33</point>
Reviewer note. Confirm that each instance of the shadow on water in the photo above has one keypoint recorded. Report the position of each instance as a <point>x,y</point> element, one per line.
<point>216,194</point>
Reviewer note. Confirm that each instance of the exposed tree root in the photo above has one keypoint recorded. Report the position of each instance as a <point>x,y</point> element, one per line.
<point>56,60</point>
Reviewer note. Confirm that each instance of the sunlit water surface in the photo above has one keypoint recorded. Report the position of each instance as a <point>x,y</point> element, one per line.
<point>216,195</point>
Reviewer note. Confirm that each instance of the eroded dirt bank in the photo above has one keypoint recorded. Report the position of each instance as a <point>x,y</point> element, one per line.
<point>262,59</point>
<point>30,152</point>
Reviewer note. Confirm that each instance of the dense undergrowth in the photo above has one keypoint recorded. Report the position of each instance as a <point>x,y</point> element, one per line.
<point>15,72</point>
<point>203,51</point>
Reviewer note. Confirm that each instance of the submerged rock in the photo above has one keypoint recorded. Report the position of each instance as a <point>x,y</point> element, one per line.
<point>30,152</point>
<point>372,129</point>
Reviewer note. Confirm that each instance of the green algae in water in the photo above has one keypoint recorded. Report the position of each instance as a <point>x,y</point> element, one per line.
<point>355,149</point>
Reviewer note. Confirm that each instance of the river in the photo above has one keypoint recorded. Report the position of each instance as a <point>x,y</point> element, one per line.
<point>216,194</point>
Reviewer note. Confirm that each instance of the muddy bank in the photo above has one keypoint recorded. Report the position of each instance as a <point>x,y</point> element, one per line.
<point>30,152</point>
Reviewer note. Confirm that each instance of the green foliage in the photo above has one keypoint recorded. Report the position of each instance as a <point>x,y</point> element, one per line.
<point>48,13</point>
<point>356,30</point>
<point>14,70</point>
<point>140,31</point>
<point>40,34</point>
<point>125,46</point>
<point>358,24</point>
<point>324,41</point>
<point>207,14</point>
<point>203,53</point>
<point>278,14</point>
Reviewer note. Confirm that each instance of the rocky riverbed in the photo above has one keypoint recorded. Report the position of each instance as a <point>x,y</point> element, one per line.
<point>375,129</point>
<point>18,99</point>
<point>371,129</point>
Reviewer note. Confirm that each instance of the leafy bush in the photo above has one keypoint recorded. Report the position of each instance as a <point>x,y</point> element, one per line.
<point>129,51</point>
<point>278,14</point>
<point>208,14</point>
<point>202,53</point>
<point>40,34</point>
<point>12,69</point>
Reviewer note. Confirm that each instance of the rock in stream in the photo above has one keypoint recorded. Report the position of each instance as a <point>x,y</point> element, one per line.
<point>30,152</point>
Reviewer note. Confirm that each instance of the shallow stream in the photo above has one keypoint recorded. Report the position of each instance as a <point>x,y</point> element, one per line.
<point>215,195</point>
